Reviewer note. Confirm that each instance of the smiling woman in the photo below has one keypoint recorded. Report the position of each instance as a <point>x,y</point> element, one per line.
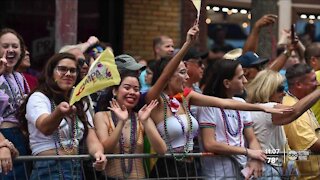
<point>122,131</point>
<point>55,127</point>
<point>12,93</point>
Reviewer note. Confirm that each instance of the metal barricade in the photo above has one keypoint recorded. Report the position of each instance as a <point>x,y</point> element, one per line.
<point>169,168</point>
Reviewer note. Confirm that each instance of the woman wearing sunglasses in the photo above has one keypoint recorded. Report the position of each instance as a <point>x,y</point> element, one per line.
<point>55,127</point>
<point>267,89</point>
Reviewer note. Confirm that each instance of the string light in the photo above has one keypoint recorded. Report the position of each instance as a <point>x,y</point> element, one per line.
<point>215,8</point>
<point>244,24</point>
<point>243,11</point>
<point>303,16</point>
<point>234,11</point>
<point>225,9</point>
<point>208,20</point>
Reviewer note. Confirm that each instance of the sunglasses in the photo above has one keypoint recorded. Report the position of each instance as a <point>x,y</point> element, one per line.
<point>81,62</point>
<point>63,70</point>
<point>96,50</point>
<point>280,88</point>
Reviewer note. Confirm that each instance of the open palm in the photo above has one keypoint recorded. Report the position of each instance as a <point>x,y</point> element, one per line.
<point>145,111</point>
<point>121,112</point>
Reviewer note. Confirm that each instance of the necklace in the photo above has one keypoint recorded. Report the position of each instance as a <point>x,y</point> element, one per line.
<point>14,95</point>
<point>72,146</point>
<point>133,141</point>
<point>188,135</point>
<point>227,126</point>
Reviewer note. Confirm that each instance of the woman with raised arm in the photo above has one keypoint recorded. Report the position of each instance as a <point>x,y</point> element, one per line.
<point>172,111</point>
<point>13,89</point>
<point>54,126</point>
<point>122,131</point>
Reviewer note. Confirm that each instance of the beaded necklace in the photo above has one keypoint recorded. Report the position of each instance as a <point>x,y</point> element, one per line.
<point>188,135</point>
<point>12,90</point>
<point>227,126</point>
<point>72,146</point>
<point>133,141</point>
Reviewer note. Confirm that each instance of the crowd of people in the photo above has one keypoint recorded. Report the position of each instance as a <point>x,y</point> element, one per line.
<point>234,105</point>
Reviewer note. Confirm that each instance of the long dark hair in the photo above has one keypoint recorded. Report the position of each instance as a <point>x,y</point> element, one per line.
<point>222,69</point>
<point>49,87</point>
<point>21,41</point>
<point>160,67</point>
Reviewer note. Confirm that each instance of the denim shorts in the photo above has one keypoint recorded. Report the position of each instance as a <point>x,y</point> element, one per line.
<point>56,169</point>
<point>20,169</point>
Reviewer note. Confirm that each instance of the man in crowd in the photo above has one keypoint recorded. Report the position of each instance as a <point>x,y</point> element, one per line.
<point>251,64</point>
<point>312,55</point>
<point>302,134</point>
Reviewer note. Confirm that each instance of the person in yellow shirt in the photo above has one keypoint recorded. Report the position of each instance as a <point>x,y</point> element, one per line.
<point>312,56</point>
<point>301,133</point>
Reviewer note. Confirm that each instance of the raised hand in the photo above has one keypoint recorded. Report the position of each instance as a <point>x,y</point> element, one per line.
<point>192,34</point>
<point>3,63</point>
<point>93,40</point>
<point>121,112</point>
<point>145,111</point>
<point>257,154</point>
<point>266,20</point>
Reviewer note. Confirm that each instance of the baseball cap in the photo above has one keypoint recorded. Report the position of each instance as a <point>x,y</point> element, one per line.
<point>251,59</point>
<point>193,53</point>
<point>127,62</point>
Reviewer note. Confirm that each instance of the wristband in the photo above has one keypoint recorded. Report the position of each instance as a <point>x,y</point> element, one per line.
<point>287,53</point>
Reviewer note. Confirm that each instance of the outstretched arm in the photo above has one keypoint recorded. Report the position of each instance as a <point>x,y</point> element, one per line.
<point>198,99</point>
<point>158,87</point>
<point>297,109</point>
<point>48,123</point>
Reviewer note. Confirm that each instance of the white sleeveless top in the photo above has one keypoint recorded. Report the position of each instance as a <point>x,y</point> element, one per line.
<point>175,130</point>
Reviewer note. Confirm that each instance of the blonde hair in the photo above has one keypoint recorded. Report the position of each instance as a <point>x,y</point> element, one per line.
<point>261,88</point>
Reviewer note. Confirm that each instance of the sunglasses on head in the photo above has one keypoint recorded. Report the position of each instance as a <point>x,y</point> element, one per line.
<point>96,50</point>
<point>280,88</point>
<point>81,62</point>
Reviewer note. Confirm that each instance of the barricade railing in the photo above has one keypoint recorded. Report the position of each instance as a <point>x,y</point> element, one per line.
<point>194,164</point>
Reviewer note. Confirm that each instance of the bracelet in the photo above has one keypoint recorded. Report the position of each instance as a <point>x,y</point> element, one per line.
<point>287,53</point>
<point>246,154</point>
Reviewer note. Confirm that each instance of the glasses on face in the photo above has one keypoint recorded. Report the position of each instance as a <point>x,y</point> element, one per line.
<point>64,70</point>
<point>280,88</point>
<point>81,62</point>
